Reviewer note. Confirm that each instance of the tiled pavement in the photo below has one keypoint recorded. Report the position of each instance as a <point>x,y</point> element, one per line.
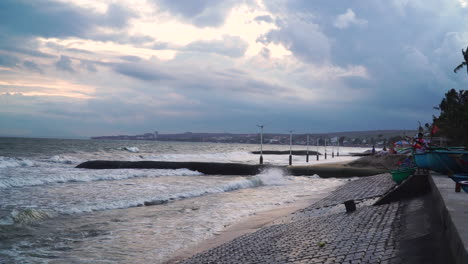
<point>368,235</point>
<point>362,188</point>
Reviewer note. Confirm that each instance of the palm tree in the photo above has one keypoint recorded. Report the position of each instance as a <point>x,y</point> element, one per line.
<point>465,56</point>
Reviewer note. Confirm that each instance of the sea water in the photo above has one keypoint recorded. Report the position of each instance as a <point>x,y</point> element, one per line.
<point>52,212</point>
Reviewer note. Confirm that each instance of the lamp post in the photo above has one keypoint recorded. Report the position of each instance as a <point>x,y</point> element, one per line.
<point>333,150</point>
<point>325,148</point>
<point>307,152</point>
<point>317,149</point>
<point>290,147</point>
<point>261,143</point>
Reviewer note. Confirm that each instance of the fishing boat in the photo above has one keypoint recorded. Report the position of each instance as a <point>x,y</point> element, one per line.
<point>402,174</point>
<point>447,161</point>
<point>461,180</point>
<point>459,177</point>
<point>422,160</point>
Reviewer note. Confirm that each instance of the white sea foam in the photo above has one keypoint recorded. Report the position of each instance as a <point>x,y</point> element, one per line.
<point>131,149</point>
<point>60,175</point>
<point>162,197</point>
<point>64,159</point>
<point>237,156</point>
<point>272,176</point>
<point>6,162</point>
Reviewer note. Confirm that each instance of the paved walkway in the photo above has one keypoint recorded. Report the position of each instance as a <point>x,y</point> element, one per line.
<point>368,235</point>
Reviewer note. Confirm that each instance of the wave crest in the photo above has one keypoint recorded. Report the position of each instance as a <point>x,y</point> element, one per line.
<point>6,162</point>
<point>28,216</point>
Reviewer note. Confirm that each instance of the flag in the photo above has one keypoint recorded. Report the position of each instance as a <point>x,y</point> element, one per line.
<point>434,129</point>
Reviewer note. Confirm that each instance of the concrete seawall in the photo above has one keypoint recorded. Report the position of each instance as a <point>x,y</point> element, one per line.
<point>286,152</point>
<point>452,211</point>
<point>210,168</point>
<point>213,168</point>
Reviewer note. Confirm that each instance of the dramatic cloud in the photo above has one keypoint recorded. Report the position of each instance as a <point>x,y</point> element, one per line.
<point>231,46</point>
<point>64,64</point>
<point>83,68</point>
<point>8,61</point>
<point>313,47</point>
<point>347,19</point>
<point>203,13</point>
<point>32,66</point>
<point>55,19</point>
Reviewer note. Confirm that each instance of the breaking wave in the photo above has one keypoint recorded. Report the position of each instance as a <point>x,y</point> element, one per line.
<point>24,216</point>
<point>268,177</point>
<point>131,149</point>
<point>79,175</point>
<point>6,162</point>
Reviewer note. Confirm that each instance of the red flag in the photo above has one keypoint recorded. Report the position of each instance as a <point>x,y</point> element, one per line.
<point>434,129</point>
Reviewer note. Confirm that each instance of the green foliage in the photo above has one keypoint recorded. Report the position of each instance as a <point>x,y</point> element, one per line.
<point>453,118</point>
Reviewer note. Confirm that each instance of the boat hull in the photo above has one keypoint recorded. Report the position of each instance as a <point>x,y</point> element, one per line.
<point>422,160</point>
<point>448,161</point>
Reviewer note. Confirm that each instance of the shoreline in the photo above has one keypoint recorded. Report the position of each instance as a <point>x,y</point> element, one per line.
<point>247,226</point>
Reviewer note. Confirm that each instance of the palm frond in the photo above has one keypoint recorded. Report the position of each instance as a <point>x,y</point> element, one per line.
<point>459,67</point>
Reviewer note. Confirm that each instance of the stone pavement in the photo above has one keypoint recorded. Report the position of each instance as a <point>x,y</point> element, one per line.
<point>368,235</point>
<point>360,189</point>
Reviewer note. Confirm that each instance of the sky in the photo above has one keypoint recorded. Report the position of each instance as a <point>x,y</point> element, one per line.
<point>81,68</point>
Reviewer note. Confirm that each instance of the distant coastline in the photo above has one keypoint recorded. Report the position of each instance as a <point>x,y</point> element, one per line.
<point>353,138</point>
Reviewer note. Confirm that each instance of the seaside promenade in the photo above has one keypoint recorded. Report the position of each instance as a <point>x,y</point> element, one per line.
<point>422,220</point>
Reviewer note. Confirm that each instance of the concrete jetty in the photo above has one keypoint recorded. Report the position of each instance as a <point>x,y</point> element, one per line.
<point>215,168</point>
<point>422,220</point>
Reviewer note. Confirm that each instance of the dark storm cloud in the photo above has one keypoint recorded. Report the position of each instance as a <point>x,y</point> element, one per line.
<point>121,38</point>
<point>32,66</point>
<point>22,45</point>
<point>202,13</point>
<point>55,19</point>
<point>313,47</point>
<point>141,72</point>
<point>8,60</point>
<point>64,64</point>
<point>130,58</point>
<point>409,48</point>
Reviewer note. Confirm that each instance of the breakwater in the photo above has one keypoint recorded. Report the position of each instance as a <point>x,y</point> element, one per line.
<point>287,152</point>
<point>214,168</point>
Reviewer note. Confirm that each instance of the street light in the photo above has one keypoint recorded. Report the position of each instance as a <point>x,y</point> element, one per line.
<point>261,143</point>
<point>325,148</point>
<point>338,150</point>
<point>333,149</point>
<point>317,149</point>
<point>290,147</point>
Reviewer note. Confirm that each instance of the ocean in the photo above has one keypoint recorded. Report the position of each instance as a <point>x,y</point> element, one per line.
<point>52,212</point>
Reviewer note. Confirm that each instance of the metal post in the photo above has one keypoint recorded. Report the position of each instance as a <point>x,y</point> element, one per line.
<point>307,152</point>
<point>261,143</point>
<point>290,147</point>
<point>325,148</point>
<point>317,149</point>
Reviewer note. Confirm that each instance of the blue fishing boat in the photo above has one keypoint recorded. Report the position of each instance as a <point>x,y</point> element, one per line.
<point>459,177</point>
<point>448,161</point>
<point>422,160</point>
